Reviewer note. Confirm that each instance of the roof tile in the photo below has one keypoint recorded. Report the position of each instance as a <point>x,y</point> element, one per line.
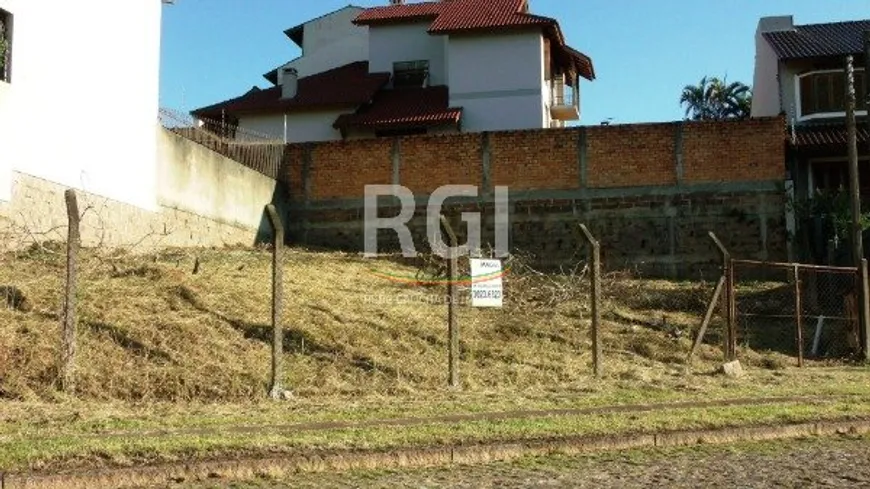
<point>818,40</point>
<point>827,135</point>
<point>346,86</point>
<point>404,107</point>
<point>450,16</point>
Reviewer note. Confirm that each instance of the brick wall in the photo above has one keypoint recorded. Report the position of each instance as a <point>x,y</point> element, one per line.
<point>591,157</point>
<point>651,191</point>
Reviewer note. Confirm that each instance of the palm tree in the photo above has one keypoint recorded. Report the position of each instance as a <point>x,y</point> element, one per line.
<point>715,99</point>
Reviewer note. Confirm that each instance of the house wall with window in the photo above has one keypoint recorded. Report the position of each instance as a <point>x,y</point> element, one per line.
<point>401,43</point>
<point>499,80</point>
<point>66,115</point>
<point>817,89</point>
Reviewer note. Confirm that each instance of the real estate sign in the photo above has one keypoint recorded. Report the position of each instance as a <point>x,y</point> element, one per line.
<point>486,283</point>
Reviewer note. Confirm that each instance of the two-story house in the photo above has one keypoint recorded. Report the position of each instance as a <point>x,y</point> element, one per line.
<point>800,72</point>
<point>429,67</point>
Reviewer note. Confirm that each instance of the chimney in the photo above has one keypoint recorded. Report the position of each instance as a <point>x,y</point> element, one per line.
<point>776,24</point>
<point>397,2</point>
<point>289,83</point>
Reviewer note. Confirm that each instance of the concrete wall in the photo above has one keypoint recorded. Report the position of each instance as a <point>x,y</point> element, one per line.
<point>498,79</point>
<point>389,44</point>
<point>204,199</point>
<point>197,180</point>
<point>84,91</point>
<point>301,127</point>
<point>650,192</point>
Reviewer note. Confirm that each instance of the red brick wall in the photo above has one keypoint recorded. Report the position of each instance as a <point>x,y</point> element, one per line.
<point>734,151</point>
<point>616,156</point>
<point>427,162</point>
<point>526,160</point>
<point>343,169</point>
<point>631,155</point>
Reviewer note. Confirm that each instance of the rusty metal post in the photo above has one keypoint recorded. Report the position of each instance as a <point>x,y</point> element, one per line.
<point>68,346</point>
<point>276,390</point>
<point>798,314</point>
<point>730,305</point>
<point>452,303</point>
<point>596,300</point>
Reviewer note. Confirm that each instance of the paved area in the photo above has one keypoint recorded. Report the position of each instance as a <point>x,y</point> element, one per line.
<point>842,462</point>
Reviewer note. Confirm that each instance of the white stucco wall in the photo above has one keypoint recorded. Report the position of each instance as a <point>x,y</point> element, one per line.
<point>331,41</point>
<point>498,80</point>
<point>339,53</point>
<point>301,127</point>
<point>330,28</point>
<point>765,86</point>
<point>407,42</point>
<point>82,111</point>
<point>5,141</point>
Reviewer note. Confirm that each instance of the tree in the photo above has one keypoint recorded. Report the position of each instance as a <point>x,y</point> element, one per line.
<point>715,99</point>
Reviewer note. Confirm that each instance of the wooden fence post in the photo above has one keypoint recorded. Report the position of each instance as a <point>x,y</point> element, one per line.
<point>452,298</point>
<point>596,300</point>
<point>276,390</point>
<point>711,308</point>
<point>68,344</point>
<point>730,305</point>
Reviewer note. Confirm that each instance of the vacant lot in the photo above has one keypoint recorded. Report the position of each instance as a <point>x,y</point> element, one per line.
<point>173,360</point>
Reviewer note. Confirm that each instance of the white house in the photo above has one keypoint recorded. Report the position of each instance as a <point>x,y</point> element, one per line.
<point>428,67</point>
<point>800,73</point>
<point>65,115</point>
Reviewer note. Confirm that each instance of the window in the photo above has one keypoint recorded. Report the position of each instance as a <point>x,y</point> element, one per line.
<point>410,74</point>
<point>5,46</point>
<point>825,92</point>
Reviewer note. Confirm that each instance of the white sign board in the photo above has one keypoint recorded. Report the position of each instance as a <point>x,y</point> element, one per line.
<point>486,283</point>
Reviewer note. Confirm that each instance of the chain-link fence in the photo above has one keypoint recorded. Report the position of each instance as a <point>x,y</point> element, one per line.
<point>803,311</point>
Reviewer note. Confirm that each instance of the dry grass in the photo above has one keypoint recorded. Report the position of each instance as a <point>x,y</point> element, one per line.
<point>152,330</point>
<point>164,348</point>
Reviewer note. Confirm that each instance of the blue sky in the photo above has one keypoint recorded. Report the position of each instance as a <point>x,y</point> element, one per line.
<point>644,51</point>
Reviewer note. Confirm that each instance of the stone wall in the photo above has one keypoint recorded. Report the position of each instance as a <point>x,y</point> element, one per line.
<point>650,192</point>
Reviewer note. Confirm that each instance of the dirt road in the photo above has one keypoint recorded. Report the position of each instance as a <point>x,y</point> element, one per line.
<point>843,462</point>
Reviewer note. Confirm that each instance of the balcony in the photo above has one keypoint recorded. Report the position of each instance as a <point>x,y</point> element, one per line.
<point>564,100</point>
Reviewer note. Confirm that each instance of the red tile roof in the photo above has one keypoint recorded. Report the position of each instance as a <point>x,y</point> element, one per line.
<point>827,135</point>
<point>450,16</point>
<point>464,15</point>
<point>394,13</point>
<point>819,40</point>
<point>404,107</point>
<point>347,86</point>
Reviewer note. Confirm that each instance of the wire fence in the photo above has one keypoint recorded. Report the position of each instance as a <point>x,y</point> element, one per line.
<point>182,324</point>
<point>809,312</point>
<point>259,151</point>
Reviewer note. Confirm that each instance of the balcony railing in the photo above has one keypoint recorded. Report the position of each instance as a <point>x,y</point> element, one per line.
<point>564,100</point>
